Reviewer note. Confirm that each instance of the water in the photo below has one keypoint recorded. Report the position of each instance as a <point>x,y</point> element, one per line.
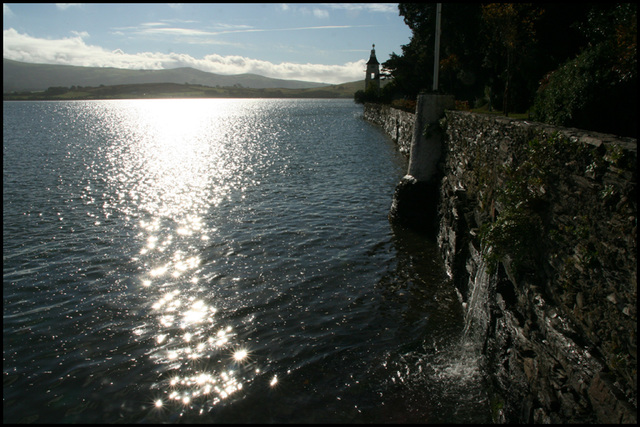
<point>219,261</point>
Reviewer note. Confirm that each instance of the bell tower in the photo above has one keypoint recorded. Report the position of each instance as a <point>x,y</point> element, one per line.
<point>373,71</point>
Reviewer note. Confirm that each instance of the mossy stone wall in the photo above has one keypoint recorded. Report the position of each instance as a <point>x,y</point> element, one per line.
<point>554,213</point>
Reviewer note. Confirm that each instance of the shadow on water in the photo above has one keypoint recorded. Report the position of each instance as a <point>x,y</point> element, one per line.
<point>434,373</point>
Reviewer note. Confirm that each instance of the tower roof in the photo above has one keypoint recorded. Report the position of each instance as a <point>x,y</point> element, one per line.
<point>372,59</point>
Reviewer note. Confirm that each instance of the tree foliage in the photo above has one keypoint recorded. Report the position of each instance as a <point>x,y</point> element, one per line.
<point>373,94</point>
<point>460,60</point>
<point>510,55</point>
<point>598,88</point>
<point>510,33</point>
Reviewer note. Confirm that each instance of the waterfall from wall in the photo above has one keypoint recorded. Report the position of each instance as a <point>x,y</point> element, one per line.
<point>477,314</point>
<point>461,364</point>
<point>562,349</point>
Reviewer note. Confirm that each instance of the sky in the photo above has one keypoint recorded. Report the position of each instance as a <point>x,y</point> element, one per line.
<point>319,42</point>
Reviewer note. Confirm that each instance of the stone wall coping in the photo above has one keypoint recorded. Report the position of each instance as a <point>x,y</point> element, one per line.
<point>573,134</point>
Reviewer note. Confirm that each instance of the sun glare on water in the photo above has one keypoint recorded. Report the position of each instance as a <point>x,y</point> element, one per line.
<point>178,161</point>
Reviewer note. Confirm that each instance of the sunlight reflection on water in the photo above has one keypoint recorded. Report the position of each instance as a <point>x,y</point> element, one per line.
<point>221,261</point>
<point>180,160</point>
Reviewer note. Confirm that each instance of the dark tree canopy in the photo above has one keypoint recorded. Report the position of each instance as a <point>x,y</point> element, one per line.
<point>510,56</point>
<point>597,89</point>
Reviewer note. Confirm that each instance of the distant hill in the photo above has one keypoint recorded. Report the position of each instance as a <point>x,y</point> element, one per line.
<point>184,90</point>
<point>22,76</point>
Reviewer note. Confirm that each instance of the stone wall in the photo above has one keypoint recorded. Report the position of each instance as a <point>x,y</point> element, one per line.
<point>396,123</point>
<point>537,226</point>
<point>552,213</point>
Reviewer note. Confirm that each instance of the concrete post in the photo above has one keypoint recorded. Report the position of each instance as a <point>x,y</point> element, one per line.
<point>426,150</point>
<point>415,201</point>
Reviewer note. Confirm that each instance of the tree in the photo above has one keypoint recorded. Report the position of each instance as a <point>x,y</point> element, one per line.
<point>56,90</point>
<point>412,71</point>
<point>502,52</point>
<point>596,90</point>
<point>510,33</point>
<point>371,94</point>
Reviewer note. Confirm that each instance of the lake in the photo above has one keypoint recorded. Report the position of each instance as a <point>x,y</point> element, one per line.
<point>220,260</point>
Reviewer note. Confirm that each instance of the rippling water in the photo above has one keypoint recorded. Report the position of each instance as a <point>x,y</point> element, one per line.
<point>219,261</point>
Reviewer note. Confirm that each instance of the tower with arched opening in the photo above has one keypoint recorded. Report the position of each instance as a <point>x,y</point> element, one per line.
<point>373,71</point>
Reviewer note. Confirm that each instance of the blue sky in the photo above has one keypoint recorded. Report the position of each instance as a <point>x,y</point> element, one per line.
<point>322,42</point>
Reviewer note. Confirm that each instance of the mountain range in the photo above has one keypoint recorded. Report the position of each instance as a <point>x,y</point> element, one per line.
<point>22,76</point>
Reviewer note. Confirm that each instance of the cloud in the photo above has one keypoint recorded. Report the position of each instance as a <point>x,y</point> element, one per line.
<point>156,28</point>
<point>370,7</point>
<point>6,11</point>
<point>74,51</point>
<point>65,6</point>
<point>81,34</point>
<point>320,13</point>
<point>286,70</point>
<point>350,7</point>
<point>176,32</point>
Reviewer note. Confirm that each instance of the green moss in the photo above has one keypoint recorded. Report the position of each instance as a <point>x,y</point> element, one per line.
<point>522,198</point>
<point>497,405</point>
<point>614,154</point>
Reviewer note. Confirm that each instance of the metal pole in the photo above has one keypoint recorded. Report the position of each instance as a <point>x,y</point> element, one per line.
<point>436,53</point>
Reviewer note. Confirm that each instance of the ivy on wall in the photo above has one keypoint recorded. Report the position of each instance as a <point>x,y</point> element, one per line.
<point>522,202</point>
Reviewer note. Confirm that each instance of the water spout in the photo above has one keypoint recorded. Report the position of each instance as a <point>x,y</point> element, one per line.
<point>477,314</point>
